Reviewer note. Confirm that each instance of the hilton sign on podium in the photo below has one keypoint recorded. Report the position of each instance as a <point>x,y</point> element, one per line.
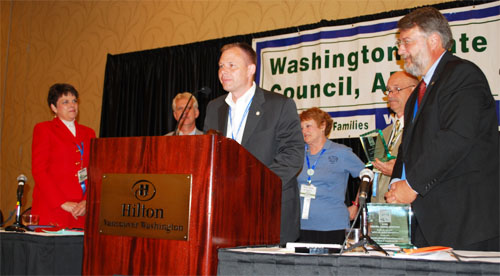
<point>146,205</point>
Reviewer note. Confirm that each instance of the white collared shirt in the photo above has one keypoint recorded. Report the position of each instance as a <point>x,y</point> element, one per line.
<point>427,77</point>
<point>70,125</point>
<point>237,115</point>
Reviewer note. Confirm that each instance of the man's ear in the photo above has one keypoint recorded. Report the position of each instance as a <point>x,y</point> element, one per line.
<point>251,69</point>
<point>435,40</point>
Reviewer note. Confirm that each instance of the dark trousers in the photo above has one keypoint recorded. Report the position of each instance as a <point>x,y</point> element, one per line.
<point>418,239</point>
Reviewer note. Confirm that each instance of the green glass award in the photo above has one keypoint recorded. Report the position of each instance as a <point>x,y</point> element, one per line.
<point>374,146</point>
<point>390,223</point>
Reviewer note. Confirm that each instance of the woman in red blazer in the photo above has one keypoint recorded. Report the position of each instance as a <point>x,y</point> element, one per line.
<point>60,157</point>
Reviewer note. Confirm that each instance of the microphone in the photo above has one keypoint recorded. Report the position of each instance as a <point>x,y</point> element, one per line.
<point>205,90</point>
<point>366,176</point>
<point>18,226</point>
<point>21,180</point>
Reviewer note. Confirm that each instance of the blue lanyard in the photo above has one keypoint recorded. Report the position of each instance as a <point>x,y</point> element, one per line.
<point>242,119</point>
<point>415,109</point>
<point>314,165</point>
<point>403,172</point>
<point>80,149</point>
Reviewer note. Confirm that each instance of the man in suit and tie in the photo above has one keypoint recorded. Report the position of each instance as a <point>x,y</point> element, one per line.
<point>264,123</point>
<point>399,87</point>
<point>447,166</point>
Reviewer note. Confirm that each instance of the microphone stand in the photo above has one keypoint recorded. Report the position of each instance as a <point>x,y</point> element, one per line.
<point>17,226</point>
<point>365,238</point>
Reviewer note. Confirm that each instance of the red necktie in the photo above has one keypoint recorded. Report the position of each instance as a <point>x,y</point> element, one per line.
<point>421,91</point>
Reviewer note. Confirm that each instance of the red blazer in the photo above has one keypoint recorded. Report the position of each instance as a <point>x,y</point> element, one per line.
<point>55,163</point>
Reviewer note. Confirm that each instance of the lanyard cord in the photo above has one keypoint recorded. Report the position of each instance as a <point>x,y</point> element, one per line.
<point>242,119</point>
<point>80,149</point>
<point>310,171</point>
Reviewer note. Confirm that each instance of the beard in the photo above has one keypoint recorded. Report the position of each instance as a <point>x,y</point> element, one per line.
<point>418,63</point>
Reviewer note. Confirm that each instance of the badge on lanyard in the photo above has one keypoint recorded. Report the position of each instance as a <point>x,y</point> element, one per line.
<point>308,192</point>
<point>82,175</point>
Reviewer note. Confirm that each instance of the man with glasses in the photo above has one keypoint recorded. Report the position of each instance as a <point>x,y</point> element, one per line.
<point>399,87</point>
<point>447,166</point>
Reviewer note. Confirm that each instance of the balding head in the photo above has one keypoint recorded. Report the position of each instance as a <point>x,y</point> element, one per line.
<point>400,85</point>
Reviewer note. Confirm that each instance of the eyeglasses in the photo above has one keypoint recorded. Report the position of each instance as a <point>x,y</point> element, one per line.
<point>404,42</point>
<point>397,89</point>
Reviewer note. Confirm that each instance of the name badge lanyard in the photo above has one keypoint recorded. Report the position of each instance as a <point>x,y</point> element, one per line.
<point>309,190</point>
<point>242,119</point>
<point>82,183</point>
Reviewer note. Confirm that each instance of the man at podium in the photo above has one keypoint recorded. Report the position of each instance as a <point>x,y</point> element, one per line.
<point>264,123</point>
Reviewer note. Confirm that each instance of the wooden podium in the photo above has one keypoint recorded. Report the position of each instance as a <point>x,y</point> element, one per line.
<point>235,201</point>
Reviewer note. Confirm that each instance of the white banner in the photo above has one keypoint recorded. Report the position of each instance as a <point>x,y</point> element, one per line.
<point>344,69</point>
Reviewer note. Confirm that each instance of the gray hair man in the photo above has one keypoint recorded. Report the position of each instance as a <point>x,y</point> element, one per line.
<point>187,125</point>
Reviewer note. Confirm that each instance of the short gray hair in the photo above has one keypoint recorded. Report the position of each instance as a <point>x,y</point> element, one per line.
<point>184,95</point>
<point>429,20</point>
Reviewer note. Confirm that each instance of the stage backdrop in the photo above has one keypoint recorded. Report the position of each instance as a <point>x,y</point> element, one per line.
<point>139,86</point>
<point>344,69</point>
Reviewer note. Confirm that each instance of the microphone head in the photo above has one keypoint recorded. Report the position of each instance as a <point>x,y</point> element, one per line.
<point>22,178</point>
<point>366,173</point>
<point>205,90</point>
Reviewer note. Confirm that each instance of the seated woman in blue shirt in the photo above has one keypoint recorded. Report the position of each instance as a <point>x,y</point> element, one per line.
<point>323,181</point>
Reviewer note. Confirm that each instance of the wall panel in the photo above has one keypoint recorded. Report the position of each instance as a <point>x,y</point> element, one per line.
<point>67,41</point>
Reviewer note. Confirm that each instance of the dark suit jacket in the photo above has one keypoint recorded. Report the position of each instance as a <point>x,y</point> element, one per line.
<point>450,151</point>
<point>273,135</point>
<point>55,162</point>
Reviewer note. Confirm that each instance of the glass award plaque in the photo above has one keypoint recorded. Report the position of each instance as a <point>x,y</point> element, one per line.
<point>390,223</point>
<point>374,146</point>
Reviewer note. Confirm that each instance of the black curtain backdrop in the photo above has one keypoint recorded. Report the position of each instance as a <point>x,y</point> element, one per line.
<point>139,86</point>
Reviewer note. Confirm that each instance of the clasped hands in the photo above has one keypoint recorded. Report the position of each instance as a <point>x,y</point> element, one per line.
<point>76,209</point>
<point>400,192</point>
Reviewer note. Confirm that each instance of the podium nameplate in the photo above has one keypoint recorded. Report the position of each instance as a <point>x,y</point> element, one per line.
<point>146,205</point>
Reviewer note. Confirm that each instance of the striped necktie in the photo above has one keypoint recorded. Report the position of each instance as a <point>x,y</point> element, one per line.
<point>396,132</point>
